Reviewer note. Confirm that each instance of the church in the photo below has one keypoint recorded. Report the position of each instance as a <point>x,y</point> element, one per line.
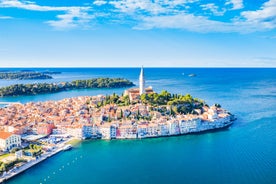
<point>134,93</point>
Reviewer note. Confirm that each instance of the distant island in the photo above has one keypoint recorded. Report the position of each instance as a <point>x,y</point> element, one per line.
<point>26,75</point>
<point>41,88</point>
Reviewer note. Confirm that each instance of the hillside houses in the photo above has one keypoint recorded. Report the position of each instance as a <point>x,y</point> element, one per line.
<point>82,118</point>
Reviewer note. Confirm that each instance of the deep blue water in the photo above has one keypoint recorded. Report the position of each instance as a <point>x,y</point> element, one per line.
<point>246,153</point>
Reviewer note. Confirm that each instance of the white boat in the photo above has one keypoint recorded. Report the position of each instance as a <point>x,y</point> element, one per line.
<point>192,75</point>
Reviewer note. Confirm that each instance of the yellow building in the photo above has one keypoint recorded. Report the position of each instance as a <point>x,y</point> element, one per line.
<point>9,140</point>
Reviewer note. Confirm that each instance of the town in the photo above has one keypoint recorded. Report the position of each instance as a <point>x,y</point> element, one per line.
<point>34,129</point>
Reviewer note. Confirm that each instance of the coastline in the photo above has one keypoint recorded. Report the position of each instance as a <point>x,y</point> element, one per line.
<point>62,147</point>
<point>28,165</point>
<point>138,113</point>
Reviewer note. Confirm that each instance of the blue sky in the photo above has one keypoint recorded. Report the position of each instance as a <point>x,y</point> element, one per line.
<point>153,33</point>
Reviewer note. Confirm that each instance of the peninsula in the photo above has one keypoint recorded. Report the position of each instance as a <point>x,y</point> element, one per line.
<point>25,75</point>
<point>41,88</point>
<point>46,127</point>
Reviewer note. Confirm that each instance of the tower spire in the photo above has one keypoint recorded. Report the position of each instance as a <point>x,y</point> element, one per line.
<point>141,82</point>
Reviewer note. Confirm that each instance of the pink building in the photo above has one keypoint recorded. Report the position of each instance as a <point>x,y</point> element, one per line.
<point>45,128</point>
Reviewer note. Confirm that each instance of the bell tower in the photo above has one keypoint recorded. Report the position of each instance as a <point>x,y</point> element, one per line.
<point>141,82</point>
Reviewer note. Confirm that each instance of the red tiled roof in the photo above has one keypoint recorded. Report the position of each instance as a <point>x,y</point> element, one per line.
<point>5,135</point>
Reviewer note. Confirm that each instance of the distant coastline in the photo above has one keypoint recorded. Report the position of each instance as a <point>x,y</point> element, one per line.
<point>26,75</point>
<point>42,88</point>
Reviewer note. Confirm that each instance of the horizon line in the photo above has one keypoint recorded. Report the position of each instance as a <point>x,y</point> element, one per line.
<point>202,67</point>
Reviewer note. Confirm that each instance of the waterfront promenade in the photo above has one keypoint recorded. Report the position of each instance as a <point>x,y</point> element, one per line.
<point>31,163</point>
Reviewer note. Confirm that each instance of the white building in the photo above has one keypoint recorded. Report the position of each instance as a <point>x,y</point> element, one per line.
<point>194,124</point>
<point>75,132</point>
<point>95,131</point>
<point>173,127</point>
<point>81,131</point>
<point>152,130</point>
<point>163,129</point>
<point>126,131</point>
<point>18,154</point>
<point>9,141</point>
<point>142,131</point>
<point>113,132</point>
<point>105,130</point>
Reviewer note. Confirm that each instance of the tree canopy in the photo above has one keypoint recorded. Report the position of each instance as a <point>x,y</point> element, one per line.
<point>40,88</point>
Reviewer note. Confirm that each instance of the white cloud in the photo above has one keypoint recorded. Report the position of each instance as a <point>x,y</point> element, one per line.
<point>185,21</point>
<point>73,16</point>
<point>149,14</point>
<point>213,8</point>
<point>150,6</point>
<point>174,3</point>
<point>27,5</point>
<point>99,2</point>
<point>264,18</point>
<point>248,21</point>
<point>131,6</point>
<point>236,4</point>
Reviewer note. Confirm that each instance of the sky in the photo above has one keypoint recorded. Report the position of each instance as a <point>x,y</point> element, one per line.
<point>131,33</point>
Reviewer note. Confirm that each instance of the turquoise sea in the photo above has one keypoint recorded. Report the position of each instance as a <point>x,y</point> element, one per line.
<point>245,153</point>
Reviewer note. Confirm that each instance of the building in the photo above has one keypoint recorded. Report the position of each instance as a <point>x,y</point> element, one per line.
<point>18,154</point>
<point>105,131</point>
<point>45,128</point>
<point>163,129</point>
<point>81,131</point>
<point>134,93</point>
<point>87,131</point>
<point>142,130</point>
<point>141,82</point>
<point>75,131</point>
<point>193,124</point>
<point>127,131</point>
<point>113,132</point>
<point>152,130</point>
<point>173,127</point>
<point>9,140</point>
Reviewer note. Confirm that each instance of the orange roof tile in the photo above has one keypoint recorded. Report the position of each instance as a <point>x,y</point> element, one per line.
<point>5,135</point>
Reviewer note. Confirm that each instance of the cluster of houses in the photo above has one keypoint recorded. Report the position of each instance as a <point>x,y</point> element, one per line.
<point>144,129</point>
<point>81,118</point>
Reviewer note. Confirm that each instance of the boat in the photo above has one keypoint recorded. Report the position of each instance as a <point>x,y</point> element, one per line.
<point>192,75</point>
<point>67,147</point>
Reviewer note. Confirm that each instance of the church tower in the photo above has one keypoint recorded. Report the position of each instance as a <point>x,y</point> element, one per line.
<point>141,82</point>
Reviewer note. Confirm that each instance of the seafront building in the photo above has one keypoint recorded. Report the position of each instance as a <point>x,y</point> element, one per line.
<point>9,141</point>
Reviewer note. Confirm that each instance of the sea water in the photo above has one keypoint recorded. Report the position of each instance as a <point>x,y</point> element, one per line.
<point>245,153</point>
